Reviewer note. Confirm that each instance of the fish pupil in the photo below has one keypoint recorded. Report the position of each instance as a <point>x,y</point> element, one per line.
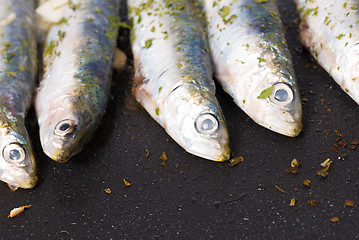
<point>281,95</point>
<point>207,124</point>
<point>14,154</point>
<point>64,127</point>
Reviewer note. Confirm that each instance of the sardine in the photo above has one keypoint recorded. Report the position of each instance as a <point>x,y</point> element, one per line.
<point>18,67</point>
<point>330,31</point>
<point>76,78</point>
<point>252,62</point>
<point>173,76</point>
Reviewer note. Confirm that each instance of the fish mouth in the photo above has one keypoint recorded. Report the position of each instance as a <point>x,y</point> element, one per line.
<point>15,182</point>
<point>60,150</point>
<point>30,183</point>
<point>290,129</point>
<point>281,122</point>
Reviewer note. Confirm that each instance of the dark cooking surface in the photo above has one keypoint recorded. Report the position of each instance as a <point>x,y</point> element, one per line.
<point>200,199</point>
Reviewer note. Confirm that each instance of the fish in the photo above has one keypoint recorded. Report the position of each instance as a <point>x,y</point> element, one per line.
<point>173,75</point>
<point>330,32</point>
<point>76,78</point>
<point>252,62</point>
<point>18,68</point>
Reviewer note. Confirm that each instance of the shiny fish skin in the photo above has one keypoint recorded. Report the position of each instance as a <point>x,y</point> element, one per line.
<point>173,76</point>
<point>252,62</point>
<point>18,67</point>
<point>330,31</point>
<point>76,78</point>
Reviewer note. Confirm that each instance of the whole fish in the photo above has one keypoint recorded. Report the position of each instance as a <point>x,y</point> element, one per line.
<point>330,31</point>
<point>18,67</point>
<point>252,62</point>
<point>76,78</point>
<point>173,76</point>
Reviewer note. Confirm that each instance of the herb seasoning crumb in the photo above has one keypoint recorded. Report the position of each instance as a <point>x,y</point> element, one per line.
<point>349,203</point>
<point>17,211</point>
<point>280,189</point>
<point>354,144</point>
<point>335,148</point>
<point>127,183</point>
<point>294,167</point>
<point>324,171</point>
<point>306,182</point>
<point>312,203</point>
<point>292,202</point>
<point>235,161</point>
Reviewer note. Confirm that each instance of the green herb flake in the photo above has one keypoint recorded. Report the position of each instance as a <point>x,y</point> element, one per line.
<point>261,1</point>
<point>61,35</point>
<point>308,12</point>
<point>266,93</point>
<point>149,3</point>
<point>157,111</point>
<point>8,74</point>
<point>62,21</point>
<point>148,43</point>
<point>22,68</point>
<point>340,36</point>
<point>110,34</point>
<point>261,60</point>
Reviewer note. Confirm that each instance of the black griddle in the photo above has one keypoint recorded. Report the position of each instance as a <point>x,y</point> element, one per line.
<point>193,198</point>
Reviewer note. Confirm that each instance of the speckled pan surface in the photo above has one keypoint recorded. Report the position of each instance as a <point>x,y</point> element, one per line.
<point>192,198</point>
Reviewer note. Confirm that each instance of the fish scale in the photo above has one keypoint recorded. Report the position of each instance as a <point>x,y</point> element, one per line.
<point>76,78</point>
<point>18,67</point>
<point>173,75</point>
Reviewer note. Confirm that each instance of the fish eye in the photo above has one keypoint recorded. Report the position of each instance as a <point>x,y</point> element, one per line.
<point>14,152</point>
<point>206,124</point>
<point>65,127</point>
<point>282,94</point>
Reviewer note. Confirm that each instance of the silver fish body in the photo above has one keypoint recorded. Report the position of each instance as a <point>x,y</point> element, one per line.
<point>18,67</point>
<point>252,62</point>
<point>330,31</point>
<point>173,76</point>
<point>76,78</point>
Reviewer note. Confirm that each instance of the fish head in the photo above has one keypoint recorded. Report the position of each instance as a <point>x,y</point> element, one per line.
<point>276,105</point>
<point>195,121</point>
<point>17,162</point>
<point>64,131</point>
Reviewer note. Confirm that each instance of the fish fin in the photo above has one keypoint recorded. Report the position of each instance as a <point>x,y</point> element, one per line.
<point>13,187</point>
<point>52,11</point>
<point>141,94</point>
<point>9,19</point>
<point>120,59</point>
